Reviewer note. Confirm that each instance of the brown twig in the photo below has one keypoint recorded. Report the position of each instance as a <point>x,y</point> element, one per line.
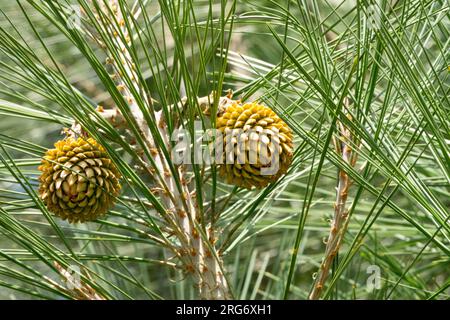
<point>344,147</point>
<point>75,287</point>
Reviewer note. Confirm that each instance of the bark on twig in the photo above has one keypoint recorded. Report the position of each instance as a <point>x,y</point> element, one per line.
<point>75,287</point>
<point>339,224</point>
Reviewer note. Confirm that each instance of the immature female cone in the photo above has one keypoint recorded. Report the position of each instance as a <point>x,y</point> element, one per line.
<point>257,145</point>
<point>79,182</point>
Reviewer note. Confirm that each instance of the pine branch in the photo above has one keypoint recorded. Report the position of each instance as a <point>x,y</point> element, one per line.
<point>344,147</point>
<point>181,214</point>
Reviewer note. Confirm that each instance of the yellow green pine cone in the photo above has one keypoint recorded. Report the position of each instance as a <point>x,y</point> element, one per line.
<point>79,182</point>
<point>257,145</point>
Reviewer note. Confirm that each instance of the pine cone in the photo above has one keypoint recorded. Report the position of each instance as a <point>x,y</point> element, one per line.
<point>255,139</point>
<point>79,182</point>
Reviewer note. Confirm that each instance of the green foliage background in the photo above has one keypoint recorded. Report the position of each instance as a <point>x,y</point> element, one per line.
<point>302,58</point>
